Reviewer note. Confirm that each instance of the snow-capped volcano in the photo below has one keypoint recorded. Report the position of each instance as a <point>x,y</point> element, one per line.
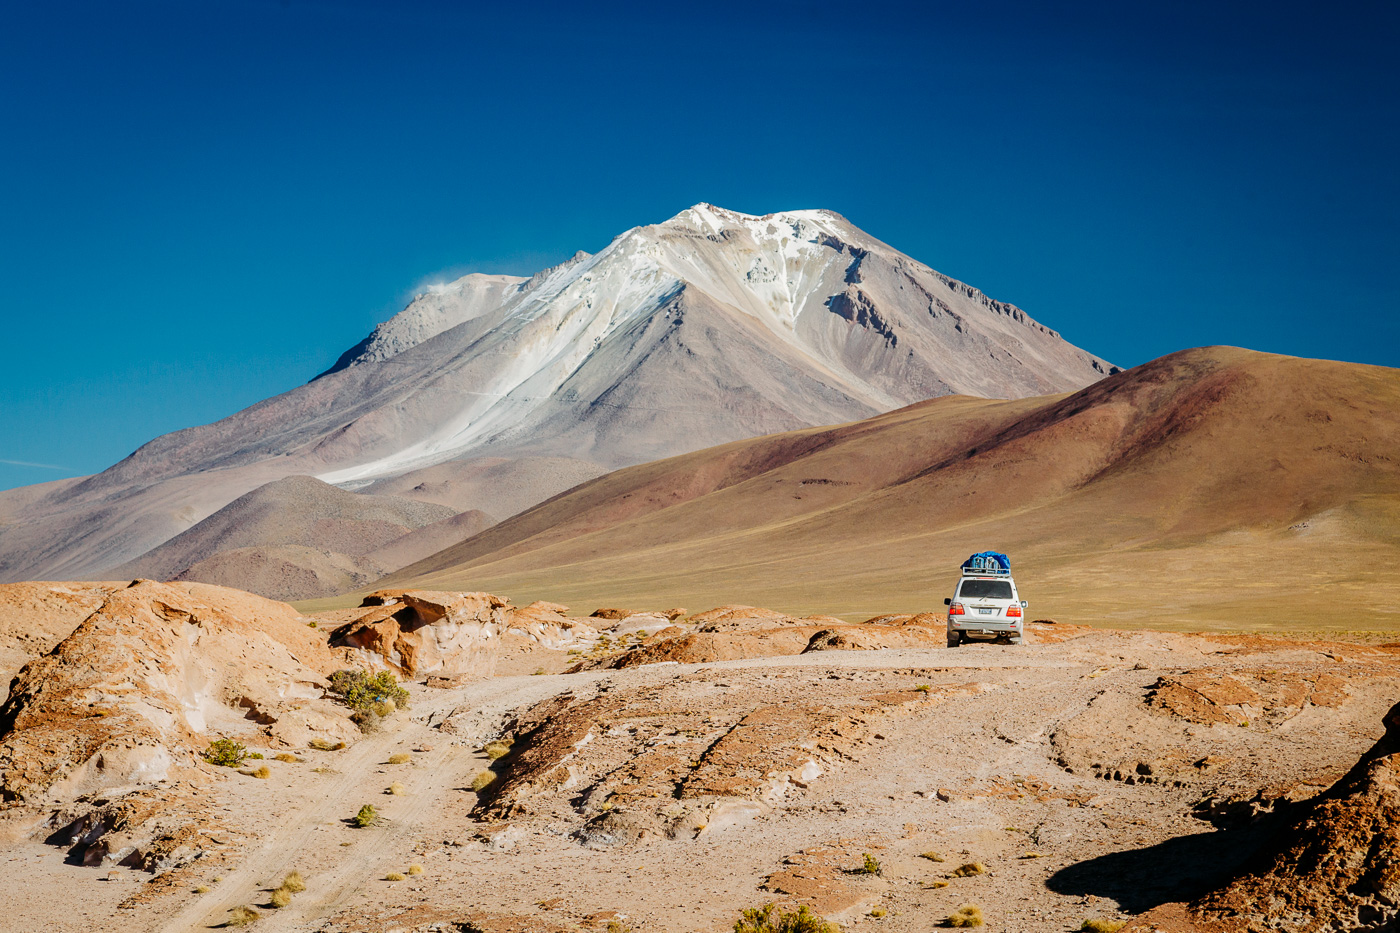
<point>710,327</point>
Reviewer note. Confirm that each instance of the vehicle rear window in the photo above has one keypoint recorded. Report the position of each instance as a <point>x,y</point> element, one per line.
<point>985,589</point>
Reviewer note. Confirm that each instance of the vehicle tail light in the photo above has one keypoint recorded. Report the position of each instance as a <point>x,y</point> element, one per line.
<point>956,609</point>
<point>1013,612</point>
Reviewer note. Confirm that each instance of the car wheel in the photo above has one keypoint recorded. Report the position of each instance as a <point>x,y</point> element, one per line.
<point>954,639</point>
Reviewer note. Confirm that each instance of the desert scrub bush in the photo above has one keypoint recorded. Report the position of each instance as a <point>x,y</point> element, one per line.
<point>1101,925</point>
<point>294,882</point>
<point>367,816</point>
<point>931,856</point>
<point>968,870</point>
<point>768,919</point>
<point>482,780</point>
<point>325,745</point>
<point>279,898</point>
<point>868,866</point>
<point>287,757</point>
<point>396,789</point>
<point>201,889</point>
<point>497,749</point>
<point>225,752</point>
<point>362,690</point>
<point>924,688</point>
<point>399,758</point>
<point>394,876</point>
<point>241,917</point>
<point>415,869</point>
<point>937,884</point>
<point>262,772</point>
<point>968,915</point>
<point>878,912</point>
<point>256,756</point>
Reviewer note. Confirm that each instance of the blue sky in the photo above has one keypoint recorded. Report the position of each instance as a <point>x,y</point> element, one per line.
<point>205,203</point>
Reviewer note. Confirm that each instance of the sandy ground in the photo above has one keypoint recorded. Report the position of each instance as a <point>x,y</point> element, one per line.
<point>996,766</point>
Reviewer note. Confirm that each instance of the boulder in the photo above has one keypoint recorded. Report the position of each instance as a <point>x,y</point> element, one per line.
<point>421,631</point>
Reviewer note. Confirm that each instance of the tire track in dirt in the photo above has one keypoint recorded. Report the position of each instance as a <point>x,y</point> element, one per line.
<point>437,772</point>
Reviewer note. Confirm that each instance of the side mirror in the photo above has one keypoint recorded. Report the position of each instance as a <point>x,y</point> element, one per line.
<point>1025,605</point>
<point>947,600</point>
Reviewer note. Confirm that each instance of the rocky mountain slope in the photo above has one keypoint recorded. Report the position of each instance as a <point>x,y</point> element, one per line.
<point>709,327</point>
<point>1271,483</point>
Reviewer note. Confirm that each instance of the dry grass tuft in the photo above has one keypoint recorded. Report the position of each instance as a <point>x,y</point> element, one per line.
<point>326,745</point>
<point>415,869</point>
<point>241,917</point>
<point>878,912</point>
<point>263,772</point>
<point>394,876</point>
<point>931,856</point>
<point>497,749</point>
<point>288,757</point>
<point>970,869</point>
<point>968,915</point>
<point>936,884</point>
<point>482,780</point>
<point>294,882</point>
<point>396,789</point>
<point>201,889</point>
<point>400,758</point>
<point>279,898</point>
<point>1101,925</point>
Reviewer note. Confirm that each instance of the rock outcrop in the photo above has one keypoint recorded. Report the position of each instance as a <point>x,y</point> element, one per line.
<point>127,701</point>
<point>419,631</point>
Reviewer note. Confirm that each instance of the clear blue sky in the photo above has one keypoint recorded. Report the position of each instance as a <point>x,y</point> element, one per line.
<point>204,203</point>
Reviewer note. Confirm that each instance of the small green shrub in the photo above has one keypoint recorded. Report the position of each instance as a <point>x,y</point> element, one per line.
<point>361,690</point>
<point>241,917</point>
<point>367,816</point>
<point>767,919</point>
<point>256,756</point>
<point>225,752</point>
<point>924,688</point>
<point>869,866</point>
<point>968,915</point>
<point>1101,925</point>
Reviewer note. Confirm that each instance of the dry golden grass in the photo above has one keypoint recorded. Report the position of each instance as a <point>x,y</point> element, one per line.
<point>415,869</point>
<point>937,884</point>
<point>400,758</point>
<point>201,889</point>
<point>968,915</point>
<point>396,789</point>
<point>279,898</point>
<point>969,869</point>
<point>294,882</point>
<point>241,916</point>
<point>326,745</point>
<point>287,757</point>
<point>482,780</point>
<point>931,856</point>
<point>263,772</point>
<point>497,749</point>
<point>394,876</point>
<point>367,816</point>
<point>1101,925</point>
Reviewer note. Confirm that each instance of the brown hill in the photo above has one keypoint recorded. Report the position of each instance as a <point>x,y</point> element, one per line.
<point>1212,487</point>
<point>291,539</point>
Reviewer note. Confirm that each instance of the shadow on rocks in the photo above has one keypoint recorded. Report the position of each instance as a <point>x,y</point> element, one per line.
<point>1179,869</point>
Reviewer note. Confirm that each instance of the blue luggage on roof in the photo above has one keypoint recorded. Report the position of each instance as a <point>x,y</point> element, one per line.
<point>987,562</point>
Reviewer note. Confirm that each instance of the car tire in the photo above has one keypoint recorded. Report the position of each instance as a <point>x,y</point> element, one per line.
<point>954,639</point>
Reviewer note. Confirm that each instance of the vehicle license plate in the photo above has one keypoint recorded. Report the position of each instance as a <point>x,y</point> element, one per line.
<point>987,612</point>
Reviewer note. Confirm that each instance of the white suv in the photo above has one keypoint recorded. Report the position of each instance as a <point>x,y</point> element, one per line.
<point>985,605</point>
